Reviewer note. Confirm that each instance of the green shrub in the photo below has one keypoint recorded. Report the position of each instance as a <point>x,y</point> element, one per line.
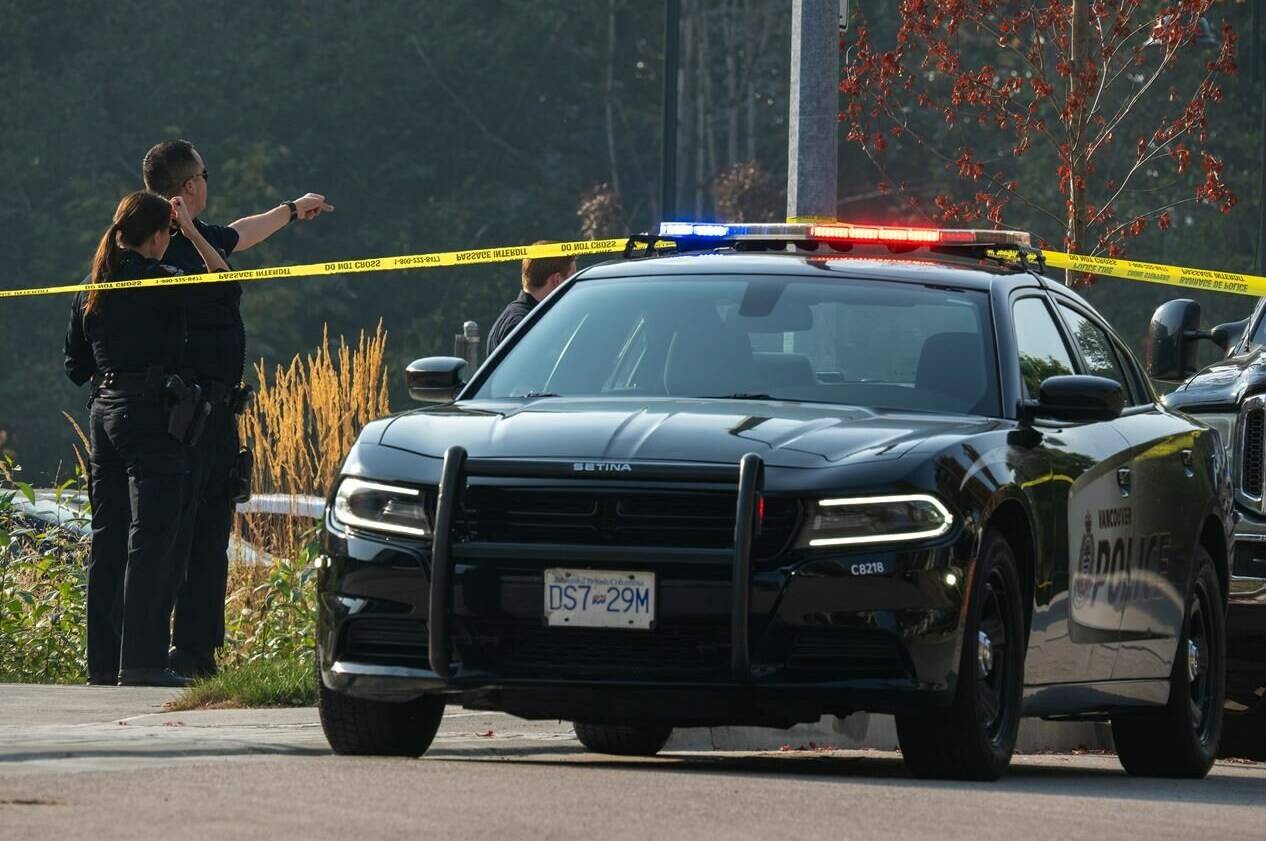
<point>42,617</point>
<point>270,612</point>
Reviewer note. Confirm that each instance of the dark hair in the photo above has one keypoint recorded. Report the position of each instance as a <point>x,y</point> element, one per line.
<point>138,217</point>
<point>168,166</point>
<point>540,269</point>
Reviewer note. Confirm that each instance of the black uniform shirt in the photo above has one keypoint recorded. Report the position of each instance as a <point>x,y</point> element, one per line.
<point>133,330</point>
<point>80,366</point>
<point>216,350</point>
<point>510,317</point>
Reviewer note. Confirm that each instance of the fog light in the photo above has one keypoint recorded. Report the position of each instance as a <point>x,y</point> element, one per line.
<point>951,579</point>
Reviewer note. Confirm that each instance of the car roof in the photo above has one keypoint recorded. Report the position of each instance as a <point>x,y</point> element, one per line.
<point>918,268</point>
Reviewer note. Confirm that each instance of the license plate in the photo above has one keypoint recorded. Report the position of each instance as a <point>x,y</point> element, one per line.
<point>589,598</point>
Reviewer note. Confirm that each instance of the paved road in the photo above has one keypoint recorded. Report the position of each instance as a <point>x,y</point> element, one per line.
<point>104,763</point>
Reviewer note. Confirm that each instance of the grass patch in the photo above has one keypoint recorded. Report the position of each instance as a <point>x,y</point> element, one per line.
<point>261,683</point>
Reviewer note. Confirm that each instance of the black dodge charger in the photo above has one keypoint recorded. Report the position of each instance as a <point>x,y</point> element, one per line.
<point>780,472</point>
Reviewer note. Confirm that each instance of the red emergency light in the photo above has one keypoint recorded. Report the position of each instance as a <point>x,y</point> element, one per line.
<point>912,236</point>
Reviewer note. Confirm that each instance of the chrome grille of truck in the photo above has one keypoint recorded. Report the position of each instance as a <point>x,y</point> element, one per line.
<point>1254,445</point>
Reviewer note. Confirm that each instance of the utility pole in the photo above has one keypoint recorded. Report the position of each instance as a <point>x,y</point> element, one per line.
<point>813,128</point>
<point>668,164</point>
<point>1259,77</point>
<point>1077,152</point>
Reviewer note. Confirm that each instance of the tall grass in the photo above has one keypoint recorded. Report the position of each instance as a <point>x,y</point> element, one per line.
<point>304,419</point>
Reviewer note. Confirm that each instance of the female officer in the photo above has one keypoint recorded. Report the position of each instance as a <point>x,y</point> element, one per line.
<point>137,337</point>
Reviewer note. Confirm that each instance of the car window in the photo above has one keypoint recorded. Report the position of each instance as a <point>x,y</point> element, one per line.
<point>1042,350</point>
<point>858,342</point>
<point>1097,350</point>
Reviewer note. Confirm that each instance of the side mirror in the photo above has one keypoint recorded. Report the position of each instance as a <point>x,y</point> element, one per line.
<point>1227,336</point>
<point>1171,340</point>
<point>435,379</point>
<point>1079,398</point>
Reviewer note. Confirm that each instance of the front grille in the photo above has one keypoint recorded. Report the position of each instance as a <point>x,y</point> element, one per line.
<point>619,517</point>
<point>1252,455</point>
<point>839,654</point>
<point>386,642</point>
<point>528,649</point>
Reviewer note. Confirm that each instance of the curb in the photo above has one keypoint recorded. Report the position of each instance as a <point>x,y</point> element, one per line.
<point>879,732</point>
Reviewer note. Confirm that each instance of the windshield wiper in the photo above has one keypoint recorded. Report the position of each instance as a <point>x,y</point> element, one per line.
<point>742,395</point>
<point>534,394</point>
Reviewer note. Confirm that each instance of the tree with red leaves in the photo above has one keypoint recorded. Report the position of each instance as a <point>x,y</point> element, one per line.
<point>1098,92</point>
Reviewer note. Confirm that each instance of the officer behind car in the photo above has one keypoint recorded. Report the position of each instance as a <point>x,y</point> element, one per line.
<point>216,358</point>
<point>131,342</point>
<point>540,277</point>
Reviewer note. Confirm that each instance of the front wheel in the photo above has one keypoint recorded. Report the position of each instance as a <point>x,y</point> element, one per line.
<point>1181,740</point>
<point>623,739</point>
<point>357,726</point>
<point>974,737</point>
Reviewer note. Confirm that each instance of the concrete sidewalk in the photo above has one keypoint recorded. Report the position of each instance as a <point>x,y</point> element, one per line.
<point>55,729</point>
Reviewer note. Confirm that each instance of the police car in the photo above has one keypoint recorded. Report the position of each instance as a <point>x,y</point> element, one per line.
<point>755,474</point>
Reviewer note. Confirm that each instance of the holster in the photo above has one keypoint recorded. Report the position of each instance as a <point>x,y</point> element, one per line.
<point>240,476</point>
<point>187,411</point>
<point>240,398</point>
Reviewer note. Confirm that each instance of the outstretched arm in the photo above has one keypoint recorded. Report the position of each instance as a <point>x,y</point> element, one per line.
<point>252,230</point>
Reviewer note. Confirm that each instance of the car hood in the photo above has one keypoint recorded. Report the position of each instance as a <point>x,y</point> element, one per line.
<point>1222,385</point>
<point>784,434</point>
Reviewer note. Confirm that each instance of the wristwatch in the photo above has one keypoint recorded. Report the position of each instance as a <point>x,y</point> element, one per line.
<point>294,211</point>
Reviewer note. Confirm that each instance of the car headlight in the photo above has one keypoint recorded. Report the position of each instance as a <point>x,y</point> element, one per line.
<point>373,506</point>
<point>862,520</point>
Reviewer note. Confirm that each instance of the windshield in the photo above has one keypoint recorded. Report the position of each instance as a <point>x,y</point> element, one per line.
<point>857,342</point>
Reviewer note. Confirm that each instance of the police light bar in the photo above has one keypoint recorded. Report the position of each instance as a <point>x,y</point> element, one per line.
<point>845,233</point>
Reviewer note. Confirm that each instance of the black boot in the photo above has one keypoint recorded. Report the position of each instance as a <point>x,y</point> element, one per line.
<point>191,663</point>
<point>152,677</point>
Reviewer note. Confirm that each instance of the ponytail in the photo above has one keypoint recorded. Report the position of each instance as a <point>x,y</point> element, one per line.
<point>104,264</point>
<point>138,217</point>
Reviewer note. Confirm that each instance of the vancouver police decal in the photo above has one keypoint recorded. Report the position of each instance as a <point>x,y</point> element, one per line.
<point>1114,565</point>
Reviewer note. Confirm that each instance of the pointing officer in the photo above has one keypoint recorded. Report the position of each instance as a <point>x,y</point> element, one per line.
<point>216,358</point>
<point>130,342</point>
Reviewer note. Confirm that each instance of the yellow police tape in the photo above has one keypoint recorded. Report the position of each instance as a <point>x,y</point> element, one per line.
<point>375,264</point>
<point>1203,280</point>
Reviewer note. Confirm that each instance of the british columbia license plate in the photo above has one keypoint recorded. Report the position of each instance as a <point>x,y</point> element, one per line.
<point>588,598</point>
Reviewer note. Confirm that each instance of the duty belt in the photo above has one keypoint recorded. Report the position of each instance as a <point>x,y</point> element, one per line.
<point>126,382</point>
<point>217,391</point>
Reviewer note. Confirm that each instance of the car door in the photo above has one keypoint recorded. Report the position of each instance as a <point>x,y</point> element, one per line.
<point>1158,517</point>
<point>1073,632</point>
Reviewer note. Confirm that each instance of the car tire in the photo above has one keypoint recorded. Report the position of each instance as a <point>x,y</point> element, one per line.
<point>973,738</point>
<point>361,727</point>
<point>1181,740</point>
<point>623,739</point>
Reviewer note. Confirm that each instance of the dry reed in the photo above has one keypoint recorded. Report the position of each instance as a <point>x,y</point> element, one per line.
<point>304,419</point>
<point>302,423</point>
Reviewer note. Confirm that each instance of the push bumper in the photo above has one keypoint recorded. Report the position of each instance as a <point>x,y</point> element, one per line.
<point>732,644</point>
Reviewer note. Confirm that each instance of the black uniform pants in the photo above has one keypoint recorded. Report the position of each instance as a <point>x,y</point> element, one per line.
<point>204,539</point>
<point>139,478</point>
